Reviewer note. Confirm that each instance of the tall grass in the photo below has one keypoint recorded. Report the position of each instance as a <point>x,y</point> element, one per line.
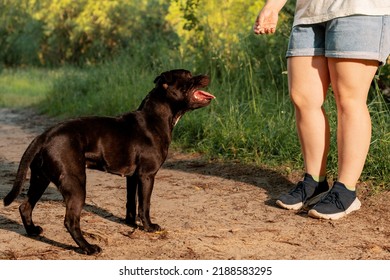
<point>251,120</point>
<point>378,159</point>
<point>102,90</point>
<point>24,87</point>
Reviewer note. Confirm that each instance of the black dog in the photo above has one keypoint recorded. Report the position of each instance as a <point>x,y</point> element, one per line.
<point>134,145</point>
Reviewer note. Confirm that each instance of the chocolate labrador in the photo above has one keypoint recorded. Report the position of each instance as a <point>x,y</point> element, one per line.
<point>134,145</point>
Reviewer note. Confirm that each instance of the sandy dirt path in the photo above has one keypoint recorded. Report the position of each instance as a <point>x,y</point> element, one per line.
<point>208,210</point>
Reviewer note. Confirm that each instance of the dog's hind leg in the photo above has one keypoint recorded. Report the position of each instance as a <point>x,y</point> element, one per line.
<point>74,191</point>
<point>38,185</point>
<point>131,205</point>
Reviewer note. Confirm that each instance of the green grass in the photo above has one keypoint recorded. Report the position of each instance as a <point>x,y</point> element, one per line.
<point>251,120</point>
<point>111,88</point>
<point>24,87</point>
<point>378,159</point>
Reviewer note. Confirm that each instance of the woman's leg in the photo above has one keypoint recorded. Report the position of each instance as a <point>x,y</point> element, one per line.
<point>308,83</point>
<point>351,80</point>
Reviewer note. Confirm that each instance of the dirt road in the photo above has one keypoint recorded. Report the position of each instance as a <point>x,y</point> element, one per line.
<point>209,210</point>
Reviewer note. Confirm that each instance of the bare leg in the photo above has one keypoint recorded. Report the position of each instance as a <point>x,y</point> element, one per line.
<point>308,84</point>
<point>351,80</point>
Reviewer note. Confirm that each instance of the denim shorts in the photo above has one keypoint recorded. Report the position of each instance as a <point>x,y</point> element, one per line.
<point>356,37</point>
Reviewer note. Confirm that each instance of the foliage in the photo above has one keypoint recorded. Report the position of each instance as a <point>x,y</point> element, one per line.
<point>107,89</point>
<point>19,34</point>
<point>252,119</point>
<point>55,32</point>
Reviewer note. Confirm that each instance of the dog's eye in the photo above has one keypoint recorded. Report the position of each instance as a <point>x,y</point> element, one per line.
<point>187,86</point>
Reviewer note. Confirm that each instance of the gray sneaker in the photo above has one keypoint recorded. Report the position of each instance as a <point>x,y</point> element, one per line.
<point>306,193</point>
<point>337,203</point>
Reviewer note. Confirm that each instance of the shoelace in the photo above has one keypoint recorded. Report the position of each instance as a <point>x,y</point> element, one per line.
<point>333,198</point>
<point>299,190</point>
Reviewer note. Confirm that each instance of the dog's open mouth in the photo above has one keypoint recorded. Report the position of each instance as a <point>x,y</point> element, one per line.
<point>203,96</point>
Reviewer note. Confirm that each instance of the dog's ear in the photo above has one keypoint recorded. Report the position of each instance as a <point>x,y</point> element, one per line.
<point>163,80</point>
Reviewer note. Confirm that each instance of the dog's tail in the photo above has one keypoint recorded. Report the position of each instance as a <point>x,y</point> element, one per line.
<point>24,164</point>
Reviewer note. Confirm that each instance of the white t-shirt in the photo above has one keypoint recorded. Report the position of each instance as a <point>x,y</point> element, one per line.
<point>315,11</point>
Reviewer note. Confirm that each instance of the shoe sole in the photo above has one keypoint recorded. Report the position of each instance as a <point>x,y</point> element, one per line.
<point>354,206</point>
<point>296,206</point>
<point>300,205</point>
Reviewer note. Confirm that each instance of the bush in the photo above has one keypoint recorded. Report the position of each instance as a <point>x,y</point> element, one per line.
<point>252,119</point>
<point>58,32</point>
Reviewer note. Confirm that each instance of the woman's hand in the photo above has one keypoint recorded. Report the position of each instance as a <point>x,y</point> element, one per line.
<point>267,18</point>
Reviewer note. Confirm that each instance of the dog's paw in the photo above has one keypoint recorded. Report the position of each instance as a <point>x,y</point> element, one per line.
<point>92,249</point>
<point>131,223</point>
<point>34,230</point>
<point>152,228</point>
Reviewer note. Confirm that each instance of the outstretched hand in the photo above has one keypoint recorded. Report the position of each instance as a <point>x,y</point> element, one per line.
<point>266,21</point>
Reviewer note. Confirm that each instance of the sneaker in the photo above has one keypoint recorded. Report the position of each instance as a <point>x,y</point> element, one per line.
<point>307,192</point>
<point>337,203</point>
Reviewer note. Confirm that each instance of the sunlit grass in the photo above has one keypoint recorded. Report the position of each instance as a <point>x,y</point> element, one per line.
<point>24,87</point>
<point>251,120</point>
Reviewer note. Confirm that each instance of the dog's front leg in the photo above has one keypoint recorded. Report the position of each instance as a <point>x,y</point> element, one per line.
<point>145,188</point>
<point>131,205</point>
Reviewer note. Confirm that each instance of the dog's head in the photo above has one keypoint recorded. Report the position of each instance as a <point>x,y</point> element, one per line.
<point>184,89</point>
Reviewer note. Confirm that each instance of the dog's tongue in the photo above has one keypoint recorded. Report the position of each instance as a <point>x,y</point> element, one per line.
<point>203,95</point>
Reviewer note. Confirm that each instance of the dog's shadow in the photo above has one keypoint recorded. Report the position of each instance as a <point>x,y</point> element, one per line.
<point>271,181</point>
<point>17,227</point>
<point>53,196</point>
